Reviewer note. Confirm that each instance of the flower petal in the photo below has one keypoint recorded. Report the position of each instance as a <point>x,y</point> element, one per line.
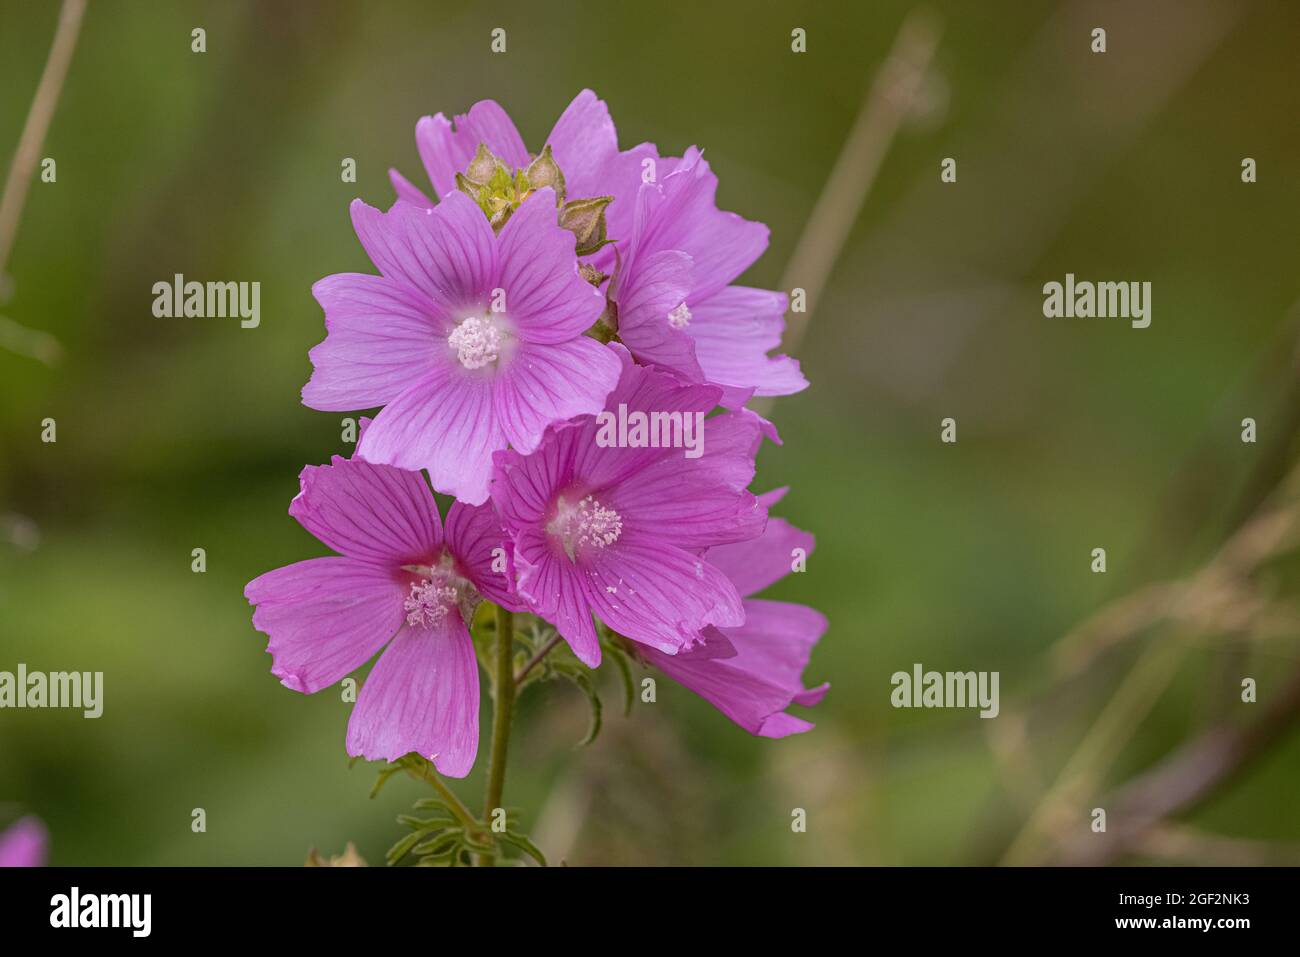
<point>373,513</point>
<point>325,617</point>
<point>543,384</point>
<point>443,423</point>
<point>647,292</point>
<point>422,696</point>
<point>733,331</point>
<point>546,297</point>
<point>558,591</point>
<point>446,151</point>
<point>658,594</point>
<point>378,342</point>
<point>474,535</point>
<point>447,253</point>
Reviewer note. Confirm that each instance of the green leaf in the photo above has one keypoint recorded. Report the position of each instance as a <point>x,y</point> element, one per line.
<point>624,665</point>
<point>583,680</point>
<point>402,847</point>
<point>524,844</point>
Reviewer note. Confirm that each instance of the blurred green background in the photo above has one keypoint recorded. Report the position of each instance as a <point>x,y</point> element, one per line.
<point>176,434</point>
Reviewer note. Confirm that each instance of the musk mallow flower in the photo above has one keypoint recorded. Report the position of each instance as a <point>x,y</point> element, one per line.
<point>583,145</point>
<point>752,672</point>
<point>676,305</point>
<point>401,582</point>
<point>24,844</point>
<point>621,532</point>
<point>470,339</point>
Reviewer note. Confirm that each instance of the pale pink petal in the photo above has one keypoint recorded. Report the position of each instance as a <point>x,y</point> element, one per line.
<point>379,341</point>
<point>446,151</point>
<point>546,298</point>
<point>370,512</point>
<point>658,284</point>
<point>408,191</point>
<point>733,332</point>
<point>447,253</point>
<point>583,141</point>
<point>445,424</point>
<point>543,384</point>
<point>422,696</point>
<point>325,617</point>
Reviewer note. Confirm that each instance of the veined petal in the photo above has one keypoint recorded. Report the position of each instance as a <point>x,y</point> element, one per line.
<point>547,299</point>
<point>378,342</point>
<point>444,423</point>
<point>543,384</point>
<point>373,513</point>
<point>421,696</point>
<point>325,617</point>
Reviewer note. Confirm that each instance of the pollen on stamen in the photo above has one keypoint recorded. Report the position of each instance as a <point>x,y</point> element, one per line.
<point>680,317</point>
<point>586,524</point>
<point>428,603</point>
<point>477,342</point>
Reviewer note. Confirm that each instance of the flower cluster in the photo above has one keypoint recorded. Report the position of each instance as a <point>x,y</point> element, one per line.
<point>540,291</point>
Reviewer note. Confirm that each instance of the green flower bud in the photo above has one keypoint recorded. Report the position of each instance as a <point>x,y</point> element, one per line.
<point>585,218</point>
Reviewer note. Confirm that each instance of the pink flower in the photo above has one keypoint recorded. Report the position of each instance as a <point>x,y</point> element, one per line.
<point>24,844</point>
<point>752,672</point>
<point>621,532</point>
<point>399,580</point>
<point>583,142</point>
<point>676,305</point>
<point>470,341</point>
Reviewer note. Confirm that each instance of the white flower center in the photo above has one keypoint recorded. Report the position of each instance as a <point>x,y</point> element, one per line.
<point>588,524</point>
<point>680,317</point>
<point>428,603</point>
<point>477,342</point>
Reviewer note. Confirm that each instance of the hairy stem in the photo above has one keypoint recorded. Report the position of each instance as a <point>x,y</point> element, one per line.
<point>502,713</point>
<point>536,659</point>
<point>463,813</point>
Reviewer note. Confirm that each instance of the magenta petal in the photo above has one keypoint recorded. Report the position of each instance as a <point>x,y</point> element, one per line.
<point>407,191</point>
<point>543,384</point>
<point>370,512</point>
<point>557,590</point>
<point>24,844</point>
<point>646,294</point>
<point>421,696</point>
<point>379,333</point>
<point>658,594</point>
<point>582,141</point>
<point>733,332</point>
<point>447,253</point>
<point>683,215</point>
<point>326,617</point>
<point>755,686</point>
<point>482,548</point>
<point>547,299</point>
<point>446,151</point>
<point>443,423</point>
<point>753,565</point>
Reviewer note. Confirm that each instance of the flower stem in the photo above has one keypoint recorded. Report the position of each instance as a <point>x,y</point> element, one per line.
<point>502,712</point>
<point>536,659</point>
<point>463,814</point>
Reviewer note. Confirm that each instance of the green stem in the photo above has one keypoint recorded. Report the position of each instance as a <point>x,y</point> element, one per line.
<point>463,814</point>
<point>502,712</point>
